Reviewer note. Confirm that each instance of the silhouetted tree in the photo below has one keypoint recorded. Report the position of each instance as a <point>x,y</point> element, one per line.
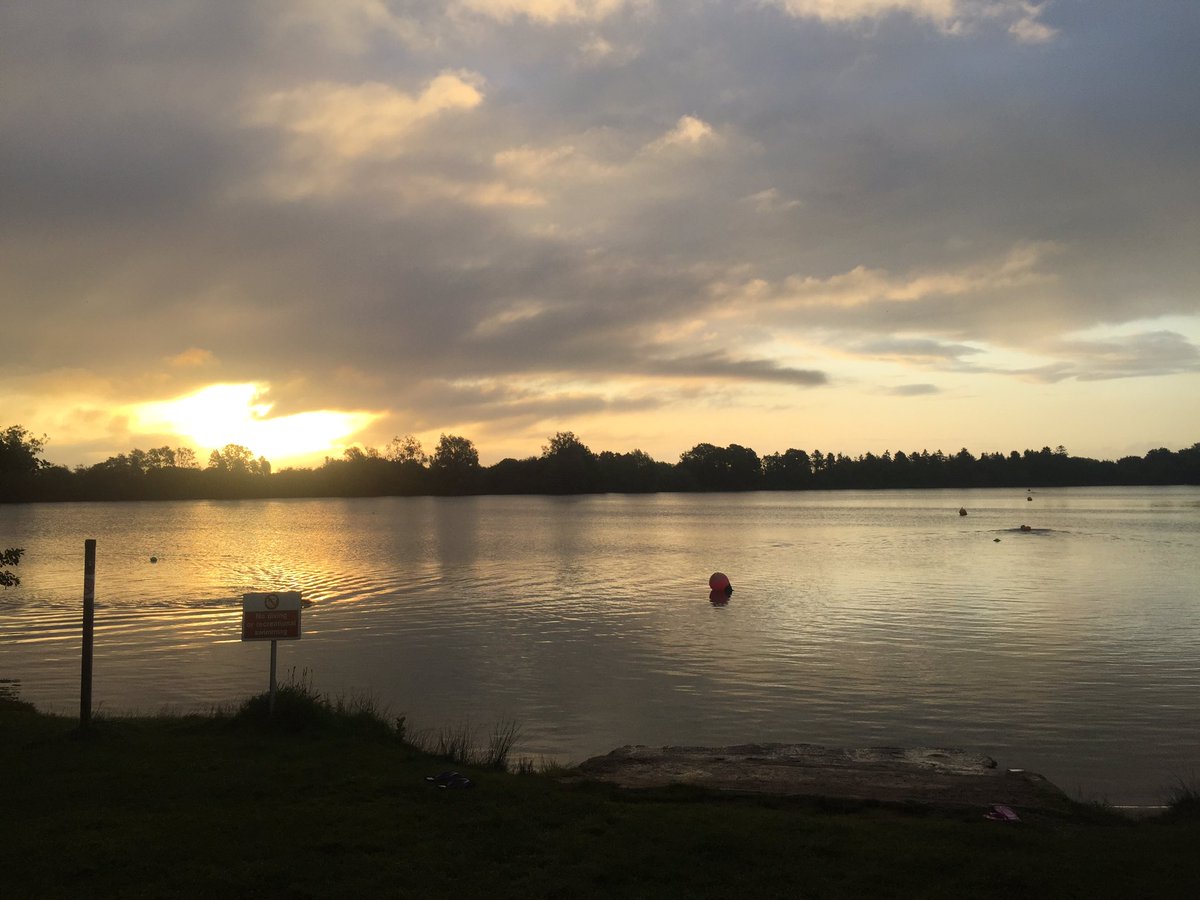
<point>20,463</point>
<point>634,472</point>
<point>160,458</point>
<point>568,466</point>
<point>234,459</point>
<point>234,472</point>
<point>361,472</point>
<point>513,476</point>
<point>454,466</point>
<point>788,471</point>
<point>405,449</point>
<point>19,450</point>
<point>732,468</point>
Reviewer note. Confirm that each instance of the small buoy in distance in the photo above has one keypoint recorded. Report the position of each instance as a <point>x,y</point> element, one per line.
<point>995,540</point>
<point>962,510</point>
<point>1026,528</point>
<point>719,581</point>
<point>154,559</point>
<point>1030,499</point>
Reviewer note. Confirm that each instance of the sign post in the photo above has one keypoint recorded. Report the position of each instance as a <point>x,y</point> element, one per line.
<point>89,618</point>
<point>273,617</point>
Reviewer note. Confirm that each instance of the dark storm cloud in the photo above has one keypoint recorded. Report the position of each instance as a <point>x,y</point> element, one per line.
<point>348,200</point>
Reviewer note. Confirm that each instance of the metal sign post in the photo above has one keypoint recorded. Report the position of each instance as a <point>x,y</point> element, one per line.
<point>89,617</point>
<point>274,656</point>
<point>271,617</point>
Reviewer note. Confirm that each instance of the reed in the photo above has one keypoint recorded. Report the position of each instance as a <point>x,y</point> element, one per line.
<point>1183,799</point>
<point>459,743</point>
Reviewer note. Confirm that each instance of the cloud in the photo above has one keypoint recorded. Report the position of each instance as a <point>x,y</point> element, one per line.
<point>689,133</point>
<point>597,50</point>
<point>716,364</point>
<point>1142,355</point>
<point>770,201</point>
<point>348,26</point>
<point>352,121</point>
<point>1028,29</point>
<point>193,357</point>
<point>860,286</point>
<point>914,390</point>
<point>513,403</point>
<point>950,16</point>
<point>567,202</point>
<point>330,128</point>
<point>852,10</point>
<point>915,350</point>
<point>546,11</point>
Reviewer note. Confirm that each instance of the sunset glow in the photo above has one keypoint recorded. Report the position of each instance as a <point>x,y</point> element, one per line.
<point>221,414</point>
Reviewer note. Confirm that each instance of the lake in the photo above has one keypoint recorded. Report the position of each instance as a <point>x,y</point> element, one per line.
<point>858,618</point>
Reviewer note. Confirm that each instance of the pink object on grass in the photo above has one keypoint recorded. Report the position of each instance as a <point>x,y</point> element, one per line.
<point>999,813</point>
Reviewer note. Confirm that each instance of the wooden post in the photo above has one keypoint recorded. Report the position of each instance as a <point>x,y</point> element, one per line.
<point>89,615</point>
<point>271,704</point>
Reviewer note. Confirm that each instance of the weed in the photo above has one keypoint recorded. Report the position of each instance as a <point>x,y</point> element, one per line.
<point>458,744</point>
<point>1096,809</point>
<point>504,736</point>
<point>543,765</point>
<point>1183,801</point>
<point>454,743</point>
<point>300,707</point>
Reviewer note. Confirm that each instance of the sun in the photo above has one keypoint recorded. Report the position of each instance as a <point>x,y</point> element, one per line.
<point>223,414</point>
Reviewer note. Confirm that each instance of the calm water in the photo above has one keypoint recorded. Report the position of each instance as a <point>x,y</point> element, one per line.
<point>858,618</point>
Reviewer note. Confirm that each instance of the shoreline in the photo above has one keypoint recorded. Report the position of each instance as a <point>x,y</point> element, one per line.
<point>937,777</point>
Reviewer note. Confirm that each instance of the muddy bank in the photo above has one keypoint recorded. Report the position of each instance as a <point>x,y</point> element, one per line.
<point>925,775</point>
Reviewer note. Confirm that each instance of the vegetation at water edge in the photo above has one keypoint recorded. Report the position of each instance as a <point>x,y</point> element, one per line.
<point>566,466</point>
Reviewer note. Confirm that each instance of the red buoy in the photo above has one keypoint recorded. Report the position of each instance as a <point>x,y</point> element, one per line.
<point>718,581</point>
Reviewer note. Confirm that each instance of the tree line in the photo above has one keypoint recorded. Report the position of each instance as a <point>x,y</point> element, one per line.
<point>565,466</point>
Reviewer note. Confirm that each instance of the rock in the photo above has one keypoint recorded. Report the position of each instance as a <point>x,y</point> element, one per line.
<point>924,775</point>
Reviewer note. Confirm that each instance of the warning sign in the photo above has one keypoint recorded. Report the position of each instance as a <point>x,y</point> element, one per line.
<point>271,616</point>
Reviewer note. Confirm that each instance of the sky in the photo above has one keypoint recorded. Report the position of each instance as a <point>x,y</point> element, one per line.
<point>846,225</point>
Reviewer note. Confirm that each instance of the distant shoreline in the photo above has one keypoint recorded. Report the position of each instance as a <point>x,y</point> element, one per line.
<point>288,495</point>
<point>566,467</point>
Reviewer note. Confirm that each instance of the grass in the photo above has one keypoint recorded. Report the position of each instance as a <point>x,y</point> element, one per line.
<point>330,805</point>
<point>460,744</point>
<point>300,708</point>
<point>1183,800</point>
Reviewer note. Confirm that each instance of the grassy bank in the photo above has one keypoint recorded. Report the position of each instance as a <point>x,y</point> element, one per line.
<point>338,805</point>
